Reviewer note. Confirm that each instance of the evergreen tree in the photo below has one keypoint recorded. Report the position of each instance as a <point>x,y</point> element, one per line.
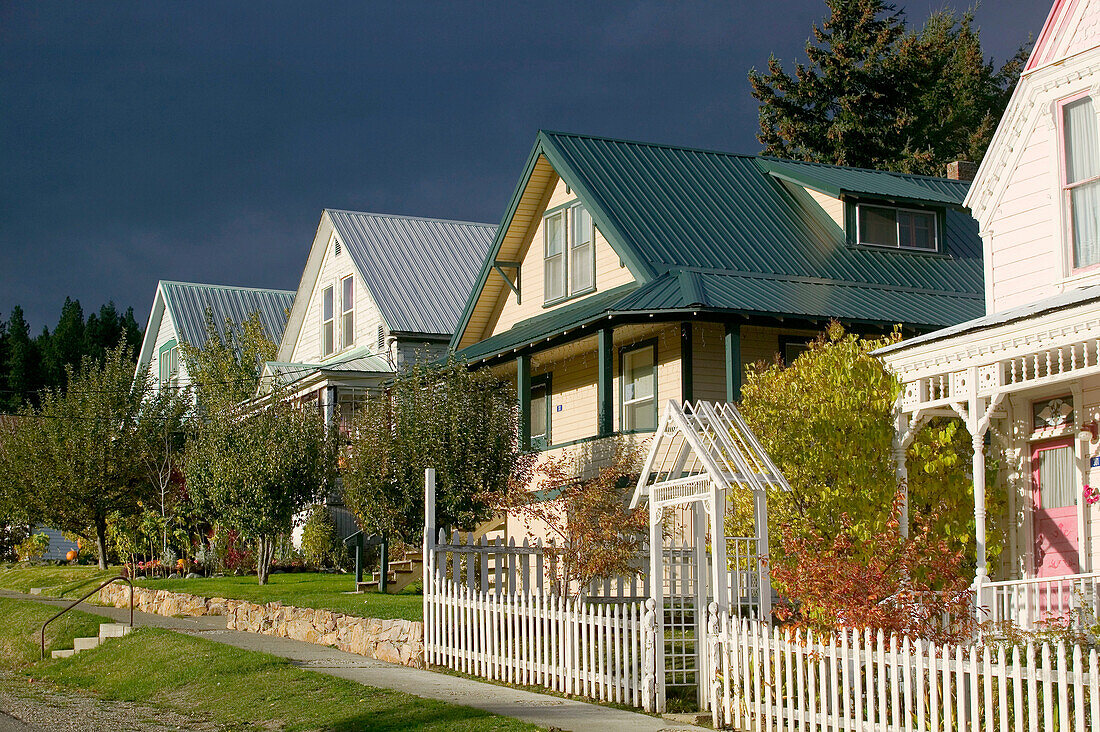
<point>65,346</point>
<point>874,94</point>
<point>103,331</point>
<point>22,370</point>
<point>131,331</point>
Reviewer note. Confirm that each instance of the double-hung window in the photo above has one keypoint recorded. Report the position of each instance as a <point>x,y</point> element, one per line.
<point>540,412</point>
<point>168,364</point>
<point>347,307</point>
<point>639,388</point>
<point>1081,179</point>
<point>569,253</point>
<point>900,228</point>
<point>328,339</point>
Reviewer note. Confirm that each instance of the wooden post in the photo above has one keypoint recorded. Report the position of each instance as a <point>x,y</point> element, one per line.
<point>733,362</point>
<point>523,391</point>
<point>604,383</point>
<point>687,381</point>
<point>901,471</point>
<point>760,514</point>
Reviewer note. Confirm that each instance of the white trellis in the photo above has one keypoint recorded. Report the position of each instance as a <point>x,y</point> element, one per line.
<point>701,453</point>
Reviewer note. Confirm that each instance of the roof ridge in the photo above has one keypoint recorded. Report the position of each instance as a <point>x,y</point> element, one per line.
<point>226,287</point>
<point>413,218</point>
<point>667,146</point>
<point>921,176</point>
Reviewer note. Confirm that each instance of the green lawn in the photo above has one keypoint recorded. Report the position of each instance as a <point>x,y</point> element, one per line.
<point>301,589</point>
<point>206,680</point>
<point>55,580</point>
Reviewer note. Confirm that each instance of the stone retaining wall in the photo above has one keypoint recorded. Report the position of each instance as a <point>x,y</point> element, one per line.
<point>395,641</point>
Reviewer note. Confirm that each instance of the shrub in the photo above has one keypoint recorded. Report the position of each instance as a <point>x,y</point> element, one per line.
<point>320,544</point>
<point>33,547</point>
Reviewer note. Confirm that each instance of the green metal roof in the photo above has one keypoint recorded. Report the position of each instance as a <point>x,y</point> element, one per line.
<point>753,246</point>
<point>836,181</point>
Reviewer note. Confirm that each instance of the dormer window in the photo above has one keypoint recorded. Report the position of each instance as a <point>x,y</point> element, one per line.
<point>1081,179</point>
<point>569,253</point>
<point>897,228</point>
<point>328,335</point>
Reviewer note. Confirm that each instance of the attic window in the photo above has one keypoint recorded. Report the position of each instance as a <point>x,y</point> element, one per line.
<point>569,253</point>
<point>898,228</point>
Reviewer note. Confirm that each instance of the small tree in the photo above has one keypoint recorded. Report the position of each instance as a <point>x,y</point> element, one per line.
<point>320,543</point>
<point>905,587</point>
<point>253,473</point>
<point>595,534</point>
<point>226,368</point>
<point>458,421</point>
<point>84,448</point>
<point>827,422</point>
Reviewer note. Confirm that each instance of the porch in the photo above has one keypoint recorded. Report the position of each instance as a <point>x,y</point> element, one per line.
<point>1026,385</point>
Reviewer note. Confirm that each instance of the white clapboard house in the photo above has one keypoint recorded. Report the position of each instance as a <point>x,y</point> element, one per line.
<point>179,315</point>
<point>1025,378</point>
<point>378,294</point>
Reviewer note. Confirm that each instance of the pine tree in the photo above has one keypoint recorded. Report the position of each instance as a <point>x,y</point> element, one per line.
<point>23,366</point>
<point>103,331</point>
<point>874,94</point>
<point>66,345</point>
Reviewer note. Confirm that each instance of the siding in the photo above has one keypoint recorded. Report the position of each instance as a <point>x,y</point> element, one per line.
<point>609,273</point>
<point>367,318</point>
<point>708,363</point>
<point>833,207</point>
<point>1025,246</point>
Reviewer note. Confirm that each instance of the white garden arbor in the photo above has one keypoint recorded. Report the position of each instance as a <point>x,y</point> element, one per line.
<point>700,454</point>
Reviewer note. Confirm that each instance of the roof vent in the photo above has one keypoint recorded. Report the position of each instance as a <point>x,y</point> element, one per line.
<point>962,170</point>
<point>336,246</point>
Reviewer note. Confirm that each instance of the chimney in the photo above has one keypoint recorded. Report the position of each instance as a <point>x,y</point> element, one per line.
<point>962,170</point>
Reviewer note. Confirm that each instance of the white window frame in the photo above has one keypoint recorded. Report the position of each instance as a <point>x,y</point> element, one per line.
<point>168,366</point>
<point>1066,188</point>
<point>624,403</point>
<point>897,228</point>
<point>330,322</point>
<point>347,310</point>
<point>568,214</point>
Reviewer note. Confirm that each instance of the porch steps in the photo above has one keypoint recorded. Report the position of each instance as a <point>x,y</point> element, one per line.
<point>106,631</point>
<point>402,573</point>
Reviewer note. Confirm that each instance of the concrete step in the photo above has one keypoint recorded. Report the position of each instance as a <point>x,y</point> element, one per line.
<point>62,654</point>
<point>85,644</point>
<point>113,630</point>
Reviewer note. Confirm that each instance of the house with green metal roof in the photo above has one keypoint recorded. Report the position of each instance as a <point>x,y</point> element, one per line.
<point>625,274</point>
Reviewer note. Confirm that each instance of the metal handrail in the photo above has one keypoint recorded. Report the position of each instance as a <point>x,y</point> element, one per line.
<point>61,612</point>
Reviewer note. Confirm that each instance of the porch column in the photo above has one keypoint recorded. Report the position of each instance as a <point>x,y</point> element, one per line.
<point>523,391</point>
<point>978,467</point>
<point>687,379</point>
<point>733,362</point>
<point>604,382</point>
<point>329,406</point>
<point>901,470</point>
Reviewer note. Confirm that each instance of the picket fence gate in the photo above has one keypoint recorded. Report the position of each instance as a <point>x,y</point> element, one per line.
<point>767,679</point>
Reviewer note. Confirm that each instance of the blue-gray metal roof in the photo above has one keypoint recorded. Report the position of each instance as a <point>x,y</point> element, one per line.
<point>188,302</point>
<point>419,271</point>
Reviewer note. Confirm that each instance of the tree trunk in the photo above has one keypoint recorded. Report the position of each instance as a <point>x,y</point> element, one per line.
<point>101,543</point>
<point>263,558</point>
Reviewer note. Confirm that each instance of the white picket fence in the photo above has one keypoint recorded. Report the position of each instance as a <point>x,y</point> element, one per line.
<point>767,679</point>
<point>602,651</point>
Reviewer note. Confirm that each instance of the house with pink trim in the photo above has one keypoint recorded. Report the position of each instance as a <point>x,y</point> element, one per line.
<point>1025,378</point>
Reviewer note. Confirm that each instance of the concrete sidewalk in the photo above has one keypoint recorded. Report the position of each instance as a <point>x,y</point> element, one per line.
<point>540,709</point>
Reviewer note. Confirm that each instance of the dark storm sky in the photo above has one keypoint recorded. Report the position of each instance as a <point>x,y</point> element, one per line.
<point>200,141</point>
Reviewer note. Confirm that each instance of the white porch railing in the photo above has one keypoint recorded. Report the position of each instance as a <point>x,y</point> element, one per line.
<point>1027,602</point>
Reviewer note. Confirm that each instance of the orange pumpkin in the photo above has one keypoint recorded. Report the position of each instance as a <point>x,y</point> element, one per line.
<point>71,555</point>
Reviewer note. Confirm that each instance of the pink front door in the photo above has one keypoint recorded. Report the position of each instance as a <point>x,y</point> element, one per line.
<point>1054,476</point>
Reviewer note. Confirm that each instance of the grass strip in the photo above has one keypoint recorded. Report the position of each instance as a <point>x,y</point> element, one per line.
<point>54,580</point>
<point>205,680</point>
<point>316,590</point>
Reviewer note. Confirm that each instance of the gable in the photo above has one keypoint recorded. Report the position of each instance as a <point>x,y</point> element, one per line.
<point>325,268</point>
<point>509,309</point>
<point>1071,27</point>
